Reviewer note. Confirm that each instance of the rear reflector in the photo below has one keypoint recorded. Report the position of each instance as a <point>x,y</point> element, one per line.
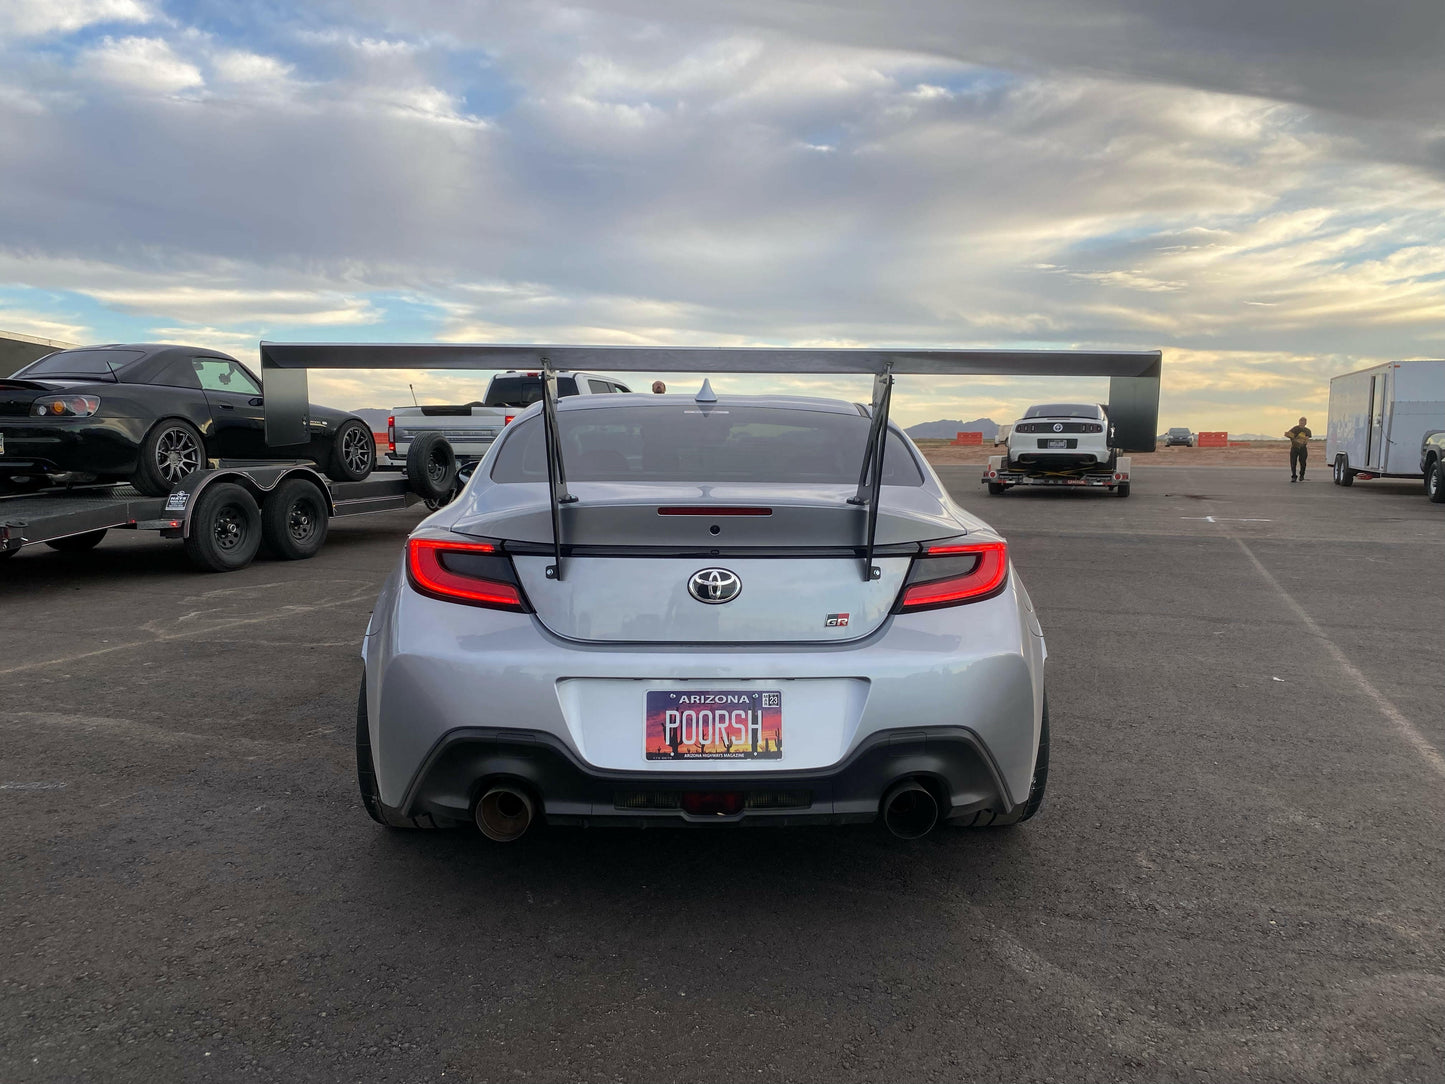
<point>951,575</point>
<point>472,573</point>
<point>699,510</point>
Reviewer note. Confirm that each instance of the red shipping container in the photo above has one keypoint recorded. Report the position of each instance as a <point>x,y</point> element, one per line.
<point>1213,440</point>
<point>968,438</point>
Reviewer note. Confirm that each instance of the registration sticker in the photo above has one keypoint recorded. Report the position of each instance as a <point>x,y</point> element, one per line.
<point>707,725</point>
<point>176,502</point>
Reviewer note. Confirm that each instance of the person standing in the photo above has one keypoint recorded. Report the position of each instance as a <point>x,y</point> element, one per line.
<point>1299,449</point>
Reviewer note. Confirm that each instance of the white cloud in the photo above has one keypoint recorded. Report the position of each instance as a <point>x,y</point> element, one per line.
<point>37,18</point>
<point>142,64</point>
<point>44,325</point>
<point>244,66</point>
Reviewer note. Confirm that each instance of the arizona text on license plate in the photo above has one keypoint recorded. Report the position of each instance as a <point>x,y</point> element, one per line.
<point>683,724</point>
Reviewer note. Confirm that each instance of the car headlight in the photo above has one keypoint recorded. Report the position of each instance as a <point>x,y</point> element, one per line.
<point>65,406</point>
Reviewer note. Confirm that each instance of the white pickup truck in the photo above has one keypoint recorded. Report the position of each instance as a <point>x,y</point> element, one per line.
<point>470,428</point>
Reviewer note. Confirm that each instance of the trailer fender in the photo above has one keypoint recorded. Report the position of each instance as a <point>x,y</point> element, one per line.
<point>259,481</point>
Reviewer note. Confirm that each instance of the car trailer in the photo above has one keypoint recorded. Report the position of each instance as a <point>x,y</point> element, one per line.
<point>1000,477</point>
<point>226,514</point>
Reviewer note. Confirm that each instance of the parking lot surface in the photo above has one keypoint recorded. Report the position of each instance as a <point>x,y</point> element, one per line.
<point>1239,871</point>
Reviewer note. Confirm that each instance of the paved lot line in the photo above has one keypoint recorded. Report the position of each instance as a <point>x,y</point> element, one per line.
<point>1407,729</point>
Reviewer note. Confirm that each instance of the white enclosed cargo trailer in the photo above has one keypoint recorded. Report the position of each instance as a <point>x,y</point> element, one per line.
<point>1378,416</point>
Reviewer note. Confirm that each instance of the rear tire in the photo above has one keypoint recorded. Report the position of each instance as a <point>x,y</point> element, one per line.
<point>170,451</point>
<point>1435,485</point>
<point>353,452</point>
<point>997,489</point>
<point>294,520</point>
<point>77,543</point>
<point>366,775</point>
<point>1123,489</point>
<point>1347,476</point>
<point>225,529</point>
<point>1038,784</point>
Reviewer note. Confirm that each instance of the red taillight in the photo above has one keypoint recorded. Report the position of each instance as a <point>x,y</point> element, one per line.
<point>702,510</point>
<point>391,433</point>
<point>490,582</point>
<point>507,419</point>
<point>949,582</point>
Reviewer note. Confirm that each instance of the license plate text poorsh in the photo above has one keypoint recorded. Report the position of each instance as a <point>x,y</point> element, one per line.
<point>683,724</point>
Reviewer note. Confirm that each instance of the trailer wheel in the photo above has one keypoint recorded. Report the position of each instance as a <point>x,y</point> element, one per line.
<point>996,489</point>
<point>77,543</point>
<point>1123,489</point>
<point>225,528</point>
<point>431,467</point>
<point>353,452</point>
<point>1342,465</point>
<point>294,520</point>
<point>1436,488</point>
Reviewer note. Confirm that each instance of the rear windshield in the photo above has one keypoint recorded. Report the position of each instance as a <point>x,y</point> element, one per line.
<point>1178,432</point>
<point>524,390</point>
<point>1062,410</point>
<point>104,363</point>
<point>685,443</point>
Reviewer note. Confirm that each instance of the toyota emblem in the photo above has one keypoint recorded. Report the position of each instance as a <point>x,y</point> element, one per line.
<point>1058,427</point>
<point>714,586</point>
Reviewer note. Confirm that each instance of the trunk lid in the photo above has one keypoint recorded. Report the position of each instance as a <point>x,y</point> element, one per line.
<point>632,551</point>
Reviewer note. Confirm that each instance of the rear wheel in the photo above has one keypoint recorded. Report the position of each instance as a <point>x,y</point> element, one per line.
<point>225,529</point>
<point>77,543</point>
<point>170,451</point>
<point>1435,484</point>
<point>996,489</point>
<point>353,452</point>
<point>294,520</point>
<point>1123,489</point>
<point>366,775</point>
<point>1346,476</point>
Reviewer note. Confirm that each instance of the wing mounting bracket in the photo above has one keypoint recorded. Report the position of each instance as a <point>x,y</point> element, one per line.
<point>557,494</point>
<point>870,478</point>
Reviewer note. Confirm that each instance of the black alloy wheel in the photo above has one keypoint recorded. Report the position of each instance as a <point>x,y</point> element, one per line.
<point>170,452</point>
<point>353,452</point>
<point>1436,486</point>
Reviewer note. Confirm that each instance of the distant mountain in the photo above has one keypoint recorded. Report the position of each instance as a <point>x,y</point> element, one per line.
<point>948,429</point>
<point>374,418</point>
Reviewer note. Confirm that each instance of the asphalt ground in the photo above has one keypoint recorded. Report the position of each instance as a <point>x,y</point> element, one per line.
<point>1239,872</point>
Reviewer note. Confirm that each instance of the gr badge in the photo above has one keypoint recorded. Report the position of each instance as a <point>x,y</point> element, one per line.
<point>835,621</point>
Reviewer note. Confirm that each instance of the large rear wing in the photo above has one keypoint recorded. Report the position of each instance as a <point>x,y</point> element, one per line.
<point>1133,387</point>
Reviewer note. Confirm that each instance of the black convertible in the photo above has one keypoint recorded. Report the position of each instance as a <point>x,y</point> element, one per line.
<point>152,414</point>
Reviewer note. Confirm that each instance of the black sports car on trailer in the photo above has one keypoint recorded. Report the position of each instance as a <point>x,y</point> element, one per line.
<point>152,414</point>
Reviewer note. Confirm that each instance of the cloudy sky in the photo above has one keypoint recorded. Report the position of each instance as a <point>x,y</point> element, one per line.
<point>1256,188</point>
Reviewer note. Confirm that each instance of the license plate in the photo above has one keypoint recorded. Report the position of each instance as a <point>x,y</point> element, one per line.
<point>686,724</point>
<point>2,443</point>
<point>1058,443</point>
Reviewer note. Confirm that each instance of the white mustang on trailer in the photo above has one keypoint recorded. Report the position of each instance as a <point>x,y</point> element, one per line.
<point>704,610</point>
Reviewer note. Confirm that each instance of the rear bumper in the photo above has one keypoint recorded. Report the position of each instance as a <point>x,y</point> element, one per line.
<point>85,445</point>
<point>952,761</point>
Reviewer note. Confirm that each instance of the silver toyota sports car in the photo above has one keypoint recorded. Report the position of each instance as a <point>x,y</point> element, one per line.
<point>709,609</point>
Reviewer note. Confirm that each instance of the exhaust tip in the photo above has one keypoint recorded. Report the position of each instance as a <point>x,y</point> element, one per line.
<point>910,810</point>
<point>504,813</point>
